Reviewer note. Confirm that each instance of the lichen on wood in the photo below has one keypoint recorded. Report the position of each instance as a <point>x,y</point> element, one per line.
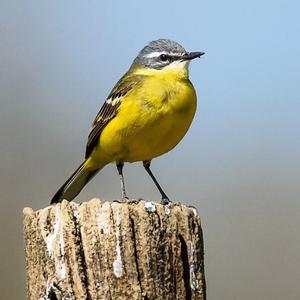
<point>94,250</point>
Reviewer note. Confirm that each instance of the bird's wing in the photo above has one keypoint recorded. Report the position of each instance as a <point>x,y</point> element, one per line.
<point>110,108</point>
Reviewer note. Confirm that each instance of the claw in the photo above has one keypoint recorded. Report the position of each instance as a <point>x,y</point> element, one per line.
<point>123,200</point>
<point>165,201</point>
<point>128,201</point>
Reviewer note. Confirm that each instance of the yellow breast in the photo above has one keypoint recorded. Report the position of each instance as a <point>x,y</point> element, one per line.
<point>152,118</point>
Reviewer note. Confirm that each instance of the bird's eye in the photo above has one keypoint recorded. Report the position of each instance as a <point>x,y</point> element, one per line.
<point>164,57</point>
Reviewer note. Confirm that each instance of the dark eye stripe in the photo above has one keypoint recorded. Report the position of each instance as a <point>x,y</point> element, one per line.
<point>164,57</point>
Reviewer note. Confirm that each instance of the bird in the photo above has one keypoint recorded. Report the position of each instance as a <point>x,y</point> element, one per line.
<point>146,114</point>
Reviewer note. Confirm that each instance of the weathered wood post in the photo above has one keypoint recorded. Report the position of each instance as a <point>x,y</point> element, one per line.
<point>94,250</point>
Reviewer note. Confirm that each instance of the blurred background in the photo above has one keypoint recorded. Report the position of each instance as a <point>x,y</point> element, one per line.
<point>238,164</point>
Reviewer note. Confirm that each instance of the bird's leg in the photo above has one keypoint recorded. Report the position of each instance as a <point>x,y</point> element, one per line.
<point>120,171</point>
<point>164,197</point>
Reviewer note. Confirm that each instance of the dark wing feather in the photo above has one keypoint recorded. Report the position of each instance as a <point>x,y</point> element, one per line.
<point>110,108</point>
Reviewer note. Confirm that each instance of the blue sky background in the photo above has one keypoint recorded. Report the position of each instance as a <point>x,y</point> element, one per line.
<point>239,163</point>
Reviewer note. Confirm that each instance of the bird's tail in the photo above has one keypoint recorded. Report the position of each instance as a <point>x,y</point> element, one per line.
<point>72,187</point>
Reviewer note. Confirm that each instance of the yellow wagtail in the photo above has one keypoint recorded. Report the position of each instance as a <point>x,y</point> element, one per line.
<point>146,114</point>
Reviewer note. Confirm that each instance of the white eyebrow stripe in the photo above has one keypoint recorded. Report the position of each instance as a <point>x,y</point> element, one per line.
<point>158,53</point>
<point>154,54</point>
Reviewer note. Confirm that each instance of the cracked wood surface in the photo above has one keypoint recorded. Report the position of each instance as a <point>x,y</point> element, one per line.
<point>94,250</point>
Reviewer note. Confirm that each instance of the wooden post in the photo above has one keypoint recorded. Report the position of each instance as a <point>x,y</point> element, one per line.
<point>94,250</point>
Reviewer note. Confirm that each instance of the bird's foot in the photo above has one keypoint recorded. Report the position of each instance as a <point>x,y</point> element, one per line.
<point>133,201</point>
<point>165,201</point>
<point>123,200</point>
<point>127,200</point>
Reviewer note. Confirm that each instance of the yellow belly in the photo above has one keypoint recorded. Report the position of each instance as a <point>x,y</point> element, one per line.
<point>151,121</point>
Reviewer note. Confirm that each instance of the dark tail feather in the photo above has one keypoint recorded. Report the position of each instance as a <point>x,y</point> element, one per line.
<point>75,183</point>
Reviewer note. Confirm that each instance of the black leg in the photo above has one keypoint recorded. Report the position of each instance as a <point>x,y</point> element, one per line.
<point>164,197</point>
<point>120,171</point>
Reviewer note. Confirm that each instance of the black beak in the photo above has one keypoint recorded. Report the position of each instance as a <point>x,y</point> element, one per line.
<point>192,55</point>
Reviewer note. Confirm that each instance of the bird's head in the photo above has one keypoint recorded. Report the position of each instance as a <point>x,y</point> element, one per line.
<point>164,54</point>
